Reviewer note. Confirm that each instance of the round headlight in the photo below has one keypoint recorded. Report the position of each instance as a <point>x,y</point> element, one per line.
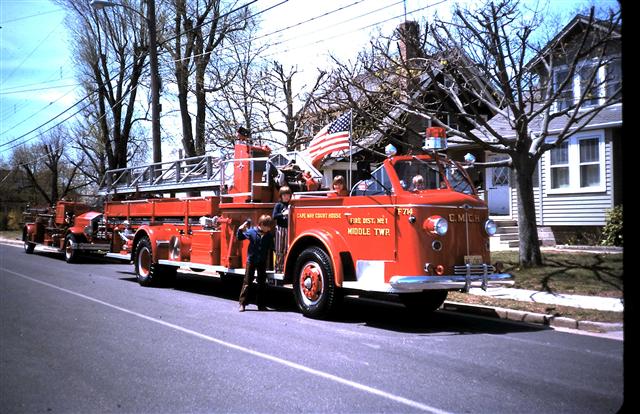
<point>490,227</point>
<point>436,225</point>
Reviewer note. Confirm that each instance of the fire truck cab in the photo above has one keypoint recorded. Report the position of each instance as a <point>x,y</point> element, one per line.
<point>414,227</point>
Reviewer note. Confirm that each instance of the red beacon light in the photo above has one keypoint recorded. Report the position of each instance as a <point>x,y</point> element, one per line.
<point>436,139</point>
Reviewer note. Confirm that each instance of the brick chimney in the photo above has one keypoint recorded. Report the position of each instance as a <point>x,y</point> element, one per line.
<point>409,43</point>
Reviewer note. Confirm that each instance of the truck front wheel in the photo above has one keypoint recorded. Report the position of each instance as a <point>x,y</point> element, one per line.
<point>29,247</point>
<point>70,254</point>
<point>314,285</point>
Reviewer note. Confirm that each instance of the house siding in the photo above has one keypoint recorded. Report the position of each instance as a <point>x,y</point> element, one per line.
<point>572,209</point>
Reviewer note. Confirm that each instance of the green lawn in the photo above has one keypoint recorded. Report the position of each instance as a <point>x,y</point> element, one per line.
<point>572,273</point>
<point>11,234</point>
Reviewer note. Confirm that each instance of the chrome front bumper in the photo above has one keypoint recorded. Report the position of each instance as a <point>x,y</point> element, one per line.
<point>418,283</point>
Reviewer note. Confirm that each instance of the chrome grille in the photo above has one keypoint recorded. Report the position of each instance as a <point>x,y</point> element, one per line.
<point>474,270</point>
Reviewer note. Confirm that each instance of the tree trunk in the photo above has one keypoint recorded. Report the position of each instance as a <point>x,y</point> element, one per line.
<point>201,107</point>
<point>530,255</point>
<point>187,131</point>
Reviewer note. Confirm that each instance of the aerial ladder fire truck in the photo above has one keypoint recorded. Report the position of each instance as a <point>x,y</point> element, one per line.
<point>385,237</point>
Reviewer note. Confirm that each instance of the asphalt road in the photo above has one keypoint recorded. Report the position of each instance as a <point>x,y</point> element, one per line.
<point>87,338</point>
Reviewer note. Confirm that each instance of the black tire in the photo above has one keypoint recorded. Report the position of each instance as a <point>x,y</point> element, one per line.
<point>29,247</point>
<point>149,273</point>
<point>70,254</point>
<point>424,302</point>
<point>143,263</point>
<point>314,284</point>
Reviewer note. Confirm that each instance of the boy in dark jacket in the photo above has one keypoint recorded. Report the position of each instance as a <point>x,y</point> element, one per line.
<point>260,245</point>
<point>281,217</point>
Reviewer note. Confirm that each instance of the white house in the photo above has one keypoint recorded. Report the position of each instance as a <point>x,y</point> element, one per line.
<point>576,183</point>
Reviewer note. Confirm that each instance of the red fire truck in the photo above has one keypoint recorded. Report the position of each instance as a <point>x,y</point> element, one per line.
<point>385,237</point>
<point>70,228</point>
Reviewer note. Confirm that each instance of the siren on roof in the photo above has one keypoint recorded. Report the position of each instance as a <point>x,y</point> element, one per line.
<point>390,150</point>
<point>435,139</point>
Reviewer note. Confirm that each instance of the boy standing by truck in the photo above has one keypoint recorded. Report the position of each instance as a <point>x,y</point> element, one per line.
<point>260,245</point>
<point>280,215</point>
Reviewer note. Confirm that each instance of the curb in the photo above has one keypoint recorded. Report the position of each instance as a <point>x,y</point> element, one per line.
<point>11,241</point>
<point>587,249</point>
<point>530,317</point>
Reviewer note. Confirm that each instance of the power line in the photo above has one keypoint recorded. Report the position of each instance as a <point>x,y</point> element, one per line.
<point>36,113</point>
<point>57,148</point>
<point>262,36</point>
<point>117,74</point>
<point>30,16</point>
<point>351,31</point>
<point>308,20</point>
<point>28,85</point>
<point>340,23</point>
<point>39,89</point>
<point>30,54</point>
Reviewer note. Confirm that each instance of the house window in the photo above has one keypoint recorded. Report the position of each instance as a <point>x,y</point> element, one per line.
<point>589,85</point>
<point>589,162</point>
<point>594,82</point>
<point>565,98</point>
<point>560,166</point>
<point>614,79</point>
<point>577,165</point>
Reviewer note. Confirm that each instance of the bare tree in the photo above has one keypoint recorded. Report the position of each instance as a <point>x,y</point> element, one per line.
<point>52,175</point>
<point>198,31</point>
<point>491,57</point>
<point>91,145</point>
<point>281,106</point>
<point>111,47</point>
<point>236,101</point>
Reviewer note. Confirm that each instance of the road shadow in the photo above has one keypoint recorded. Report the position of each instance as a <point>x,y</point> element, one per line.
<point>375,313</point>
<point>392,316</point>
<point>85,258</point>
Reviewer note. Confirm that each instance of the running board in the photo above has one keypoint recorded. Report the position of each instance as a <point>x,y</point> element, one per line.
<point>217,268</point>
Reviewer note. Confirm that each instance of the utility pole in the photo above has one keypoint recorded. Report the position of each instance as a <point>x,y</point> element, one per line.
<point>155,82</point>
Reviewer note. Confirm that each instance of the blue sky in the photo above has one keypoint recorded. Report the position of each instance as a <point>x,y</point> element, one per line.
<point>37,70</point>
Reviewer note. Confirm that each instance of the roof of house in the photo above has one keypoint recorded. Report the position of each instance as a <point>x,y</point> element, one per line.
<point>609,117</point>
<point>570,29</point>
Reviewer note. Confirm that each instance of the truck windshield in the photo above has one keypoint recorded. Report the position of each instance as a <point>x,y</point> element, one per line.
<point>378,184</point>
<point>418,175</point>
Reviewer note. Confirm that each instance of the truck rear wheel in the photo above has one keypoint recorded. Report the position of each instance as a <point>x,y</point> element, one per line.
<point>29,247</point>
<point>424,302</point>
<point>147,272</point>
<point>314,285</point>
<point>70,254</point>
<point>143,263</point>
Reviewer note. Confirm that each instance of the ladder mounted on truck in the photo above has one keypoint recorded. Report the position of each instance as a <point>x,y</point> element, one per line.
<point>204,172</point>
<point>181,175</point>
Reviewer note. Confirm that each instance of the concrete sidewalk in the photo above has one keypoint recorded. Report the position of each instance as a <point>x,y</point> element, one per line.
<point>576,301</point>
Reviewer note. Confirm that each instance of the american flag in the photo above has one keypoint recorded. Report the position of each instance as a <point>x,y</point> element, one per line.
<point>332,138</point>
